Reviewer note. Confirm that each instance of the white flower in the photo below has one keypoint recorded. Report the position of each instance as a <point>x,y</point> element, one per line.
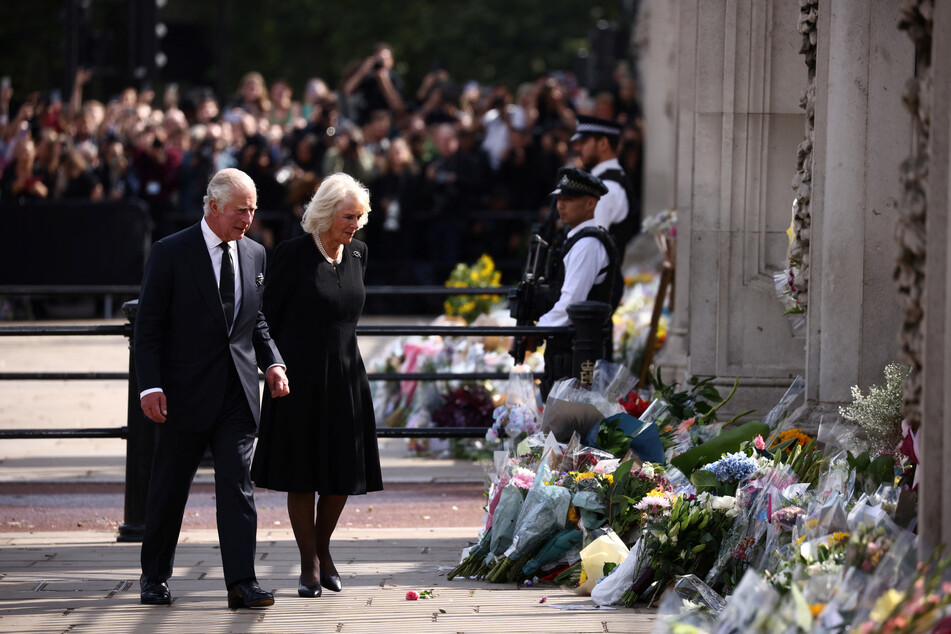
<point>724,503</point>
<point>647,469</point>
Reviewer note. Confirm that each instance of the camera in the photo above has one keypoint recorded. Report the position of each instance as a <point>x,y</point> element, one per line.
<point>378,64</point>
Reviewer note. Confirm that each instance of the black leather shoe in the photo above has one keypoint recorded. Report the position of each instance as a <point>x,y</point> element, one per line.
<point>308,592</point>
<point>154,592</point>
<point>331,582</point>
<point>248,594</point>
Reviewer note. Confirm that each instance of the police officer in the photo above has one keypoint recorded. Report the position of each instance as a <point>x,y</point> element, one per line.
<point>583,268</point>
<point>596,141</point>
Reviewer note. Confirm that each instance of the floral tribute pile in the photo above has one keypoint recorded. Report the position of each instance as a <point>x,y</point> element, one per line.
<point>475,403</point>
<point>651,499</point>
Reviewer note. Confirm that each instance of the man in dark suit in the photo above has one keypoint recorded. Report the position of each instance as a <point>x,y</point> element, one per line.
<point>199,335</point>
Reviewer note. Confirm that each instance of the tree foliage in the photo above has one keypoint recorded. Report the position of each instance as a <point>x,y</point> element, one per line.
<point>492,41</point>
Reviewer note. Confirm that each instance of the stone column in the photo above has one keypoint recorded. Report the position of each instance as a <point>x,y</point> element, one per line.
<point>928,100</point>
<point>737,126</point>
<point>862,134</point>
<point>667,73</point>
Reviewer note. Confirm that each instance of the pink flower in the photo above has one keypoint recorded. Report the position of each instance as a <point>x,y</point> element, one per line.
<point>685,425</point>
<point>412,595</point>
<point>523,478</point>
<point>543,600</point>
<point>759,443</point>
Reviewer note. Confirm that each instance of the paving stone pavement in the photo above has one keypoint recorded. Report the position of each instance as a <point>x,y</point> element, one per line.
<point>86,582</point>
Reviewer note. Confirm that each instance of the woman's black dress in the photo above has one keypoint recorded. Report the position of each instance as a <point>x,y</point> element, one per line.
<point>322,436</point>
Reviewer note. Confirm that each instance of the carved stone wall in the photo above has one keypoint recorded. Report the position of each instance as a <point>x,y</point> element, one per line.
<point>916,19</point>
<point>802,181</point>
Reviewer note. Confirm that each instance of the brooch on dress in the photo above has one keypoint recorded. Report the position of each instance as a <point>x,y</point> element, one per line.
<point>259,279</point>
<point>356,254</point>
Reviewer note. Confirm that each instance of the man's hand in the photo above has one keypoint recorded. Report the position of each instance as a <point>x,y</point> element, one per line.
<point>277,381</point>
<point>154,406</point>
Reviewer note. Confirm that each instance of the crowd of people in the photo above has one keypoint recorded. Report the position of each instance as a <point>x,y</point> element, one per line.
<point>454,168</point>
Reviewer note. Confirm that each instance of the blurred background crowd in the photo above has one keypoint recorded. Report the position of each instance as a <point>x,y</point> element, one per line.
<point>455,167</point>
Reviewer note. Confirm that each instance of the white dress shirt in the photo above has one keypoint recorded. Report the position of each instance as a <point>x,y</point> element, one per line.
<point>582,264</point>
<point>213,242</point>
<point>612,207</point>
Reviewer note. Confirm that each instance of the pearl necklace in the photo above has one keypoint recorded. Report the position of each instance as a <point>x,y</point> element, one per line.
<point>320,247</point>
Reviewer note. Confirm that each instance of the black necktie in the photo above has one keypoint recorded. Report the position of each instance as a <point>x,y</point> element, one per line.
<point>226,283</point>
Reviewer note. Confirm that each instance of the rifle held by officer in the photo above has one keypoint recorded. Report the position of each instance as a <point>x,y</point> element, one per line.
<point>523,299</point>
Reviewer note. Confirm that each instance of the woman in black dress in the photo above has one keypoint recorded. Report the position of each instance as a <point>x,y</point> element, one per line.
<point>319,442</point>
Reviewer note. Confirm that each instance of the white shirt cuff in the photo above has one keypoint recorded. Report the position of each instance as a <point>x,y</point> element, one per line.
<point>149,391</point>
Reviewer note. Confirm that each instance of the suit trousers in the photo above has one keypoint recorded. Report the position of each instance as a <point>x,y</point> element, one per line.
<point>178,453</point>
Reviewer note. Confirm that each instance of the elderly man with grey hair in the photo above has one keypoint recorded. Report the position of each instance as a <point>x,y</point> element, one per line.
<point>200,337</point>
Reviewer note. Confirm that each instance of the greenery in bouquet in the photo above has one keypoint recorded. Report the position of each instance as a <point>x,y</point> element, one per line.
<point>683,534</point>
<point>878,413</point>
<point>626,490</point>
<point>697,400</point>
<point>871,473</point>
<point>799,452</point>
<point>481,274</point>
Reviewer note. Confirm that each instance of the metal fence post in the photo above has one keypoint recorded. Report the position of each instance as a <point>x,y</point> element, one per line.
<point>588,345</point>
<point>140,443</point>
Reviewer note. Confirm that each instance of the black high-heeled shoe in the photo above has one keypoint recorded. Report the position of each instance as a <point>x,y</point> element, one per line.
<point>308,592</point>
<point>331,582</point>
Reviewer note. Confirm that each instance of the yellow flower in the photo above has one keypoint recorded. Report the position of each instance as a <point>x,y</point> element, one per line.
<point>816,608</point>
<point>885,605</point>
<point>656,493</point>
<point>800,541</point>
<point>584,476</point>
<point>801,439</point>
<point>573,516</point>
<point>838,537</point>
<point>609,478</point>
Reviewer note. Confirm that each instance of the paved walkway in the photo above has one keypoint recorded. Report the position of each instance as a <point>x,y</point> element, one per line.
<point>86,582</point>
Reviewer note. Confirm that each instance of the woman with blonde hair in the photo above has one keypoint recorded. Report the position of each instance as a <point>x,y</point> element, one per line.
<point>319,443</point>
<point>253,95</point>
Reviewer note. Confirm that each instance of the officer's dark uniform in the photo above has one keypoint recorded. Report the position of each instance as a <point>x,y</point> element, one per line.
<point>575,182</point>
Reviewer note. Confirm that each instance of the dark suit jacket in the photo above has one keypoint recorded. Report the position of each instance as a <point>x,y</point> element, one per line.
<point>181,337</point>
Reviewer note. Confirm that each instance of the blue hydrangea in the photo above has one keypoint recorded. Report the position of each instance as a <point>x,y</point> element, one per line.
<point>732,467</point>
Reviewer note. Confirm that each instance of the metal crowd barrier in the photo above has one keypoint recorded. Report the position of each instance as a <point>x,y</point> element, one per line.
<point>589,318</point>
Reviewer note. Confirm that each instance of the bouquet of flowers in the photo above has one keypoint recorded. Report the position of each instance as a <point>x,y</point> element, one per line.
<point>683,538</point>
<point>631,320</point>
<point>879,412</point>
<point>482,274</point>
<point>543,514</point>
<point>514,422</point>
<point>466,406</point>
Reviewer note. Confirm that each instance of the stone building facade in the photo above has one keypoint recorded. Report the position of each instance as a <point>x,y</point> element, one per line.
<point>805,129</point>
